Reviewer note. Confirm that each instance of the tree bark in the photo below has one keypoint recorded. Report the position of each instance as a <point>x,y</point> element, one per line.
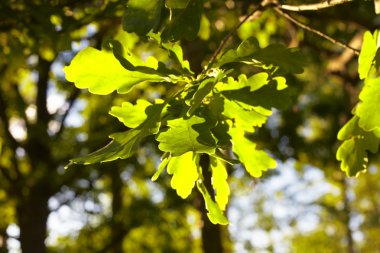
<point>3,240</point>
<point>211,233</point>
<point>32,215</point>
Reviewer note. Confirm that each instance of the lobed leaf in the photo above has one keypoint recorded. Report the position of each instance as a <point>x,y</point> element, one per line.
<point>367,54</point>
<point>184,135</point>
<point>353,152</point>
<point>184,169</point>
<point>368,109</point>
<point>125,144</point>
<point>101,73</point>
<point>255,161</point>
<point>204,89</point>
<point>214,213</point>
<point>219,182</point>
<point>129,114</point>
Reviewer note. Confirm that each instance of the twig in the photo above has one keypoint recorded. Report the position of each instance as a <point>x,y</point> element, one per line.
<point>70,100</point>
<point>230,34</point>
<point>313,7</point>
<point>310,29</point>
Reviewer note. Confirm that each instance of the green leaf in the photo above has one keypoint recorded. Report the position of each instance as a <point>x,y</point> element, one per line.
<point>242,53</point>
<point>191,134</point>
<point>254,82</point>
<point>219,182</point>
<point>185,23</point>
<point>165,160</point>
<point>353,151</point>
<point>288,59</point>
<point>368,109</point>
<point>101,73</point>
<point>184,169</point>
<point>131,115</point>
<point>246,118</point>
<point>267,97</point>
<point>367,54</point>
<point>125,144</point>
<point>176,4</point>
<point>142,16</point>
<point>204,89</point>
<point>255,161</point>
<point>214,213</point>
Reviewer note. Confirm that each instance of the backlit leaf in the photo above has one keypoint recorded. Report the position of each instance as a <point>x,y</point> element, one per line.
<point>368,109</point>
<point>353,152</point>
<point>131,115</point>
<point>125,144</point>
<point>255,161</point>
<point>367,54</point>
<point>184,169</point>
<point>190,134</point>
<point>219,182</point>
<point>214,213</point>
<point>101,73</point>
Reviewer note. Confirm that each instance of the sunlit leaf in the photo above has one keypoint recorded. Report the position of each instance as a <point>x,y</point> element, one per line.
<point>101,73</point>
<point>219,182</point>
<point>214,213</point>
<point>131,115</point>
<point>142,16</point>
<point>242,53</point>
<point>184,169</point>
<point>255,161</point>
<point>367,54</point>
<point>254,82</point>
<point>125,144</point>
<point>165,160</point>
<point>353,152</point>
<point>368,109</point>
<point>191,134</point>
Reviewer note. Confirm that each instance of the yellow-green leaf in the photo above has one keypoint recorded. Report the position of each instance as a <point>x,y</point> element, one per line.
<point>219,182</point>
<point>185,173</point>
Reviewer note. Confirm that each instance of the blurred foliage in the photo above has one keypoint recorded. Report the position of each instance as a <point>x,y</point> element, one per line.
<point>120,210</point>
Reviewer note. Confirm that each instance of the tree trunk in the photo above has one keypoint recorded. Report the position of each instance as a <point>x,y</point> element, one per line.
<point>211,234</point>
<point>32,215</point>
<point>3,240</point>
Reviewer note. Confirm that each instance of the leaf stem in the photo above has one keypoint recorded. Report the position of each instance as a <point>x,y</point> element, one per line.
<point>310,29</point>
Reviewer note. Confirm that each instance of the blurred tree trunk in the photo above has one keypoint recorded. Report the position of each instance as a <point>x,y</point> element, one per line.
<point>3,240</point>
<point>32,215</point>
<point>117,233</point>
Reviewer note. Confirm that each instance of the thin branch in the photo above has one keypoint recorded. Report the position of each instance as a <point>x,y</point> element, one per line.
<point>313,7</point>
<point>70,100</point>
<point>310,29</point>
<point>230,34</point>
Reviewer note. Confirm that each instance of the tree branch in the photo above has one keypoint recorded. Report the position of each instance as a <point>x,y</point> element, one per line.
<point>70,100</point>
<point>319,33</point>
<point>43,115</point>
<point>230,34</point>
<point>313,7</point>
